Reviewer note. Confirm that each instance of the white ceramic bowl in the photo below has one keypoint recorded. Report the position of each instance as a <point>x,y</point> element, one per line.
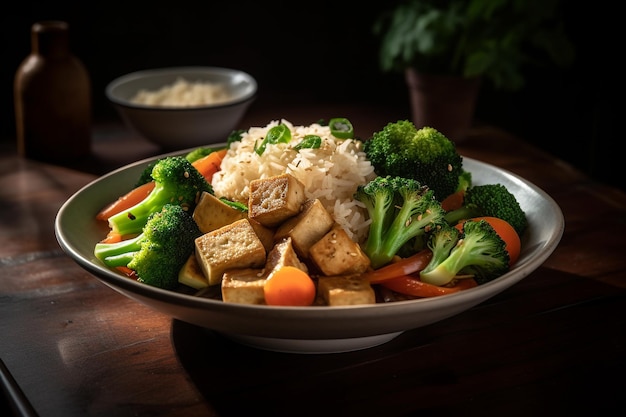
<point>176,127</point>
<point>306,329</point>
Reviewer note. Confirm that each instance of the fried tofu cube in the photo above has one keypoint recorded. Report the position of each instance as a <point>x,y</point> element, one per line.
<point>191,274</point>
<point>233,246</point>
<point>244,286</point>
<point>337,254</point>
<point>211,213</point>
<point>343,290</point>
<point>266,234</point>
<point>306,228</point>
<point>283,254</point>
<point>275,199</point>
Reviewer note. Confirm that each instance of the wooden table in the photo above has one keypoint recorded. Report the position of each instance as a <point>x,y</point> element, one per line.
<point>553,344</point>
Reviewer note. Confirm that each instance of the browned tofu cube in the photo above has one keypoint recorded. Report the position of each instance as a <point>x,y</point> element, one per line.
<point>244,286</point>
<point>345,290</point>
<point>211,213</point>
<point>281,255</point>
<point>264,233</point>
<point>234,246</point>
<point>306,228</point>
<point>273,200</point>
<point>337,254</point>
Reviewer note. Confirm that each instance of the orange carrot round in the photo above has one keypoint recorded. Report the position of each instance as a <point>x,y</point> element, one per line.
<point>289,286</point>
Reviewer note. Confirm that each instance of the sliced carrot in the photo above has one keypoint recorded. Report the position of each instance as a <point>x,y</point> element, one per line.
<point>128,200</point>
<point>405,266</point>
<point>210,164</point>
<point>413,286</point>
<point>453,201</point>
<point>289,286</point>
<point>126,271</point>
<point>112,237</point>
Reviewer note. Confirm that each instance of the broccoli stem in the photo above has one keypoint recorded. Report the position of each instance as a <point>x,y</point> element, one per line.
<point>131,221</point>
<point>445,272</point>
<point>441,243</point>
<point>405,226</point>
<point>463,213</point>
<point>379,213</point>
<point>118,253</point>
<point>123,259</point>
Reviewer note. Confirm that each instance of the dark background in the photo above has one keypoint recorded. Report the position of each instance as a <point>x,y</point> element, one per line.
<point>325,52</point>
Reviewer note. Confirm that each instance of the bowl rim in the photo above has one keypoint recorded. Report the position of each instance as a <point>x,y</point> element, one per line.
<point>248,96</point>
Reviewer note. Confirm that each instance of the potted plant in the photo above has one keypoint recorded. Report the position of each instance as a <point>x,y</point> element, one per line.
<point>447,48</point>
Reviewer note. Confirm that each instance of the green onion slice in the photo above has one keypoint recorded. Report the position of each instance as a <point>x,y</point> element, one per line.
<point>235,204</point>
<point>341,128</point>
<point>277,134</point>
<point>309,142</point>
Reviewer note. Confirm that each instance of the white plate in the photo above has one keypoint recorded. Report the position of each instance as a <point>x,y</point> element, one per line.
<point>306,329</point>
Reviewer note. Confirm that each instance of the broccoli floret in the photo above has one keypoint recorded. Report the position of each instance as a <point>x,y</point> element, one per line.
<point>159,252</point>
<point>425,154</point>
<point>400,210</point>
<point>479,252</point>
<point>493,200</point>
<point>176,182</point>
<point>441,241</point>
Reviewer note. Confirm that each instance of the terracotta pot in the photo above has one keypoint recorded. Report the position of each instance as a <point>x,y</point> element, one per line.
<point>446,103</point>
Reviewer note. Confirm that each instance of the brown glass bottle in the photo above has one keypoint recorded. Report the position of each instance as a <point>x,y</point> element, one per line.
<point>52,98</point>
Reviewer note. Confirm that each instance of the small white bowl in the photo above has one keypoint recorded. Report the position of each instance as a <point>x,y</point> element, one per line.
<point>177,127</point>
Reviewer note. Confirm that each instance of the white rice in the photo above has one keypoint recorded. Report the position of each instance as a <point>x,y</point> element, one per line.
<point>183,93</point>
<point>330,173</point>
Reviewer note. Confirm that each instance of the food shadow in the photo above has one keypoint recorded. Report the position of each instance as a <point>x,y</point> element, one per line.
<point>240,380</point>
